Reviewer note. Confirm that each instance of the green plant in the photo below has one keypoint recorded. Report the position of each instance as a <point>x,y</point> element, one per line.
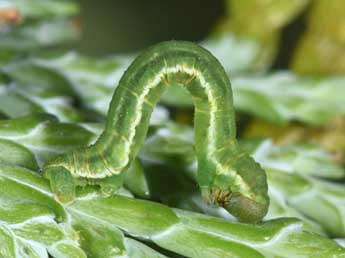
<point>54,102</point>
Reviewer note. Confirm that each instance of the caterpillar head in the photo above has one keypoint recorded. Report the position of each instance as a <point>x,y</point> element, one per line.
<point>241,188</point>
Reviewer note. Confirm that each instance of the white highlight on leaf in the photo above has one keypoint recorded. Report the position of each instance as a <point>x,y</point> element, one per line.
<point>166,232</point>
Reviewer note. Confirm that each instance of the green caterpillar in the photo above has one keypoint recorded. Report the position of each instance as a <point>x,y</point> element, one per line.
<point>226,175</point>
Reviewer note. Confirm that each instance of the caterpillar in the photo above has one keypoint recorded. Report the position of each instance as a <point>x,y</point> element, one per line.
<point>226,176</point>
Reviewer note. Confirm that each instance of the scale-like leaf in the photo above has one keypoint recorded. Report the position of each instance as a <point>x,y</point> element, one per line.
<point>194,235</point>
<point>29,215</point>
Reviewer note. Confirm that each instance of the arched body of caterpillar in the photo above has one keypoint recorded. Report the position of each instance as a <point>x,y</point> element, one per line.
<point>226,175</point>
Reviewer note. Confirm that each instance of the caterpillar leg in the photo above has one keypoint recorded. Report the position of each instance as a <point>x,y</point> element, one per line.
<point>110,185</point>
<point>62,183</point>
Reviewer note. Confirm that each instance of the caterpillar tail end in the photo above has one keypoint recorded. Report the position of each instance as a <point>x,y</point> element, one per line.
<point>62,183</point>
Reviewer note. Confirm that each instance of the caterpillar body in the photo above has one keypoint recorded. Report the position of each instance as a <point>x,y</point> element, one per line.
<point>226,175</point>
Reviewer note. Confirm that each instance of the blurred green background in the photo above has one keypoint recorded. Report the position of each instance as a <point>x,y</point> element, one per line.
<point>123,26</point>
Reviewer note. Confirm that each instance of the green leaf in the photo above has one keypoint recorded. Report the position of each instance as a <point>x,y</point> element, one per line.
<point>43,135</point>
<point>38,23</point>
<point>27,216</point>
<point>98,218</point>
<point>97,238</point>
<point>136,249</point>
<point>93,80</point>
<point>303,159</point>
<point>195,235</point>
<point>115,210</point>
<point>41,8</point>
<point>17,102</point>
<point>236,54</point>
<point>16,154</point>
<point>135,180</point>
<point>320,200</point>
<point>7,248</point>
<point>311,100</point>
<point>39,34</point>
<point>42,235</point>
<point>101,239</point>
<point>24,194</point>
